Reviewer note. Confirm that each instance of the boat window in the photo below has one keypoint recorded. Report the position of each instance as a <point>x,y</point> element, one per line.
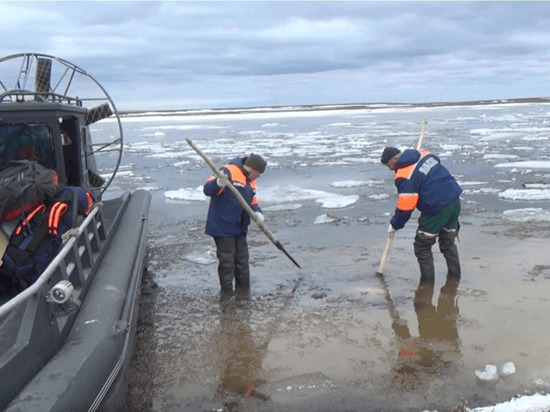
<point>26,141</point>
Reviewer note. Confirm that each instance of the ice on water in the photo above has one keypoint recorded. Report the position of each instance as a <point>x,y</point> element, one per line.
<point>511,140</point>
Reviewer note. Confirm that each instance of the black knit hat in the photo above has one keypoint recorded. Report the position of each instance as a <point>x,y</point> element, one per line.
<point>256,162</point>
<point>388,153</point>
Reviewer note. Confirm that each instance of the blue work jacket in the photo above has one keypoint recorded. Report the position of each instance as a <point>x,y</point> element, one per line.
<point>422,182</point>
<point>226,217</point>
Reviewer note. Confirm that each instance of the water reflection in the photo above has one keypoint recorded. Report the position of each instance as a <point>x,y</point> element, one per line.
<point>240,355</point>
<point>437,348</point>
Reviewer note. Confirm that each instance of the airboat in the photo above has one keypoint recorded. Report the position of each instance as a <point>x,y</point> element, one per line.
<point>66,340</point>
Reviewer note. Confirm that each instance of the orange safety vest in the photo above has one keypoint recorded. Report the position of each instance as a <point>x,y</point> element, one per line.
<point>238,178</point>
<point>408,201</point>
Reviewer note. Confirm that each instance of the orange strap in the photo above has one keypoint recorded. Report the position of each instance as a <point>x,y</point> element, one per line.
<point>90,201</point>
<point>40,208</point>
<point>57,211</point>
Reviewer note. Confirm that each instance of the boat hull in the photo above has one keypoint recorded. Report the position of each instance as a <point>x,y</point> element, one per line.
<point>88,371</point>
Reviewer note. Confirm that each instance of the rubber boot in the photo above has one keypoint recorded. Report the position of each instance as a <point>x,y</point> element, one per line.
<point>242,270</point>
<point>449,250</point>
<point>423,251</point>
<point>225,252</point>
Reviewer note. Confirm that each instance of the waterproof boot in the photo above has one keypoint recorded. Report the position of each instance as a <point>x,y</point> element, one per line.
<point>423,251</point>
<point>242,271</point>
<point>225,252</point>
<point>449,250</point>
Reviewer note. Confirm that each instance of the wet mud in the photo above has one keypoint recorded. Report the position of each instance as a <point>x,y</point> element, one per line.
<point>334,336</point>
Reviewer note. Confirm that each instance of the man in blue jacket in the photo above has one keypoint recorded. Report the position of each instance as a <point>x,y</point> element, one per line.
<point>423,182</point>
<point>227,221</point>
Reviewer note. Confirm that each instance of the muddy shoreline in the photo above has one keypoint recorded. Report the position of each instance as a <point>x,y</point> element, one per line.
<point>338,343</point>
<point>335,331</point>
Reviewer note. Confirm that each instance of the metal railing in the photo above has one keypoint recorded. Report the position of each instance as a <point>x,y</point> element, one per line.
<point>19,96</point>
<point>81,247</point>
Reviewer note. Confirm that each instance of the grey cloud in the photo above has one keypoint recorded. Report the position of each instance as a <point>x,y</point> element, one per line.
<point>214,50</point>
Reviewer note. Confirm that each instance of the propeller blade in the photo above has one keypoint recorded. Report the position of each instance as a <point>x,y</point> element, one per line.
<point>98,113</point>
<point>43,75</point>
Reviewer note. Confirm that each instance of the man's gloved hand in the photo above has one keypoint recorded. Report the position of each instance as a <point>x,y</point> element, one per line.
<point>391,229</point>
<point>222,181</point>
<point>260,216</point>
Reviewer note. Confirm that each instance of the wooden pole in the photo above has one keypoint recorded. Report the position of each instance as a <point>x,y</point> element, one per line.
<point>242,201</point>
<point>391,235</point>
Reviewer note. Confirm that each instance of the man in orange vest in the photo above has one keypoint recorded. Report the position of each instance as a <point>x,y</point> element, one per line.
<point>423,182</point>
<point>227,221</point>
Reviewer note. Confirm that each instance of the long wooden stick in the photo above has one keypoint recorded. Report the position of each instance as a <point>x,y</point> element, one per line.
<point>421,138</point>
<point>242,201</point>
<point>385,253</point>
<point>391,235</point>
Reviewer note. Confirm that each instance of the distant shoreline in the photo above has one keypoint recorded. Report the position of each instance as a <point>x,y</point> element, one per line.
<point>350,106</point>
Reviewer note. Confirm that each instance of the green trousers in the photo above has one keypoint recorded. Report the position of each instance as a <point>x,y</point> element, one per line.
<point>443,225</point>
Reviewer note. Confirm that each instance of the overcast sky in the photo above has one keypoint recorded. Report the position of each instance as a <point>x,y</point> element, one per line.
<point>219,54</point>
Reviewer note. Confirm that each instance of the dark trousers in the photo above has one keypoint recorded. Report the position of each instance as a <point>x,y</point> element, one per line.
<point>443,225</point>
<point>232,253</point>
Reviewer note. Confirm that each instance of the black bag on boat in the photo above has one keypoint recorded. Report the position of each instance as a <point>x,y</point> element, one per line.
<point>24,184</point>
<point>37,238</point>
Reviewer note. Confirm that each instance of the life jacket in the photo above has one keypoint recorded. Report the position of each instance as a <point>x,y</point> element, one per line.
<point>38,237</point>
<point>25,184</point>
<point>226,217</point>
<point>408,201</point>
<point>239,180</point>
<point>422,183</point>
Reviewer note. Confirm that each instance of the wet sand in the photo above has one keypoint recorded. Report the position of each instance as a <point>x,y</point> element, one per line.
<point>333,336</point>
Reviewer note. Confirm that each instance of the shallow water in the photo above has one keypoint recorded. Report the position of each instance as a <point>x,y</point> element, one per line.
<point>333,336</point>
